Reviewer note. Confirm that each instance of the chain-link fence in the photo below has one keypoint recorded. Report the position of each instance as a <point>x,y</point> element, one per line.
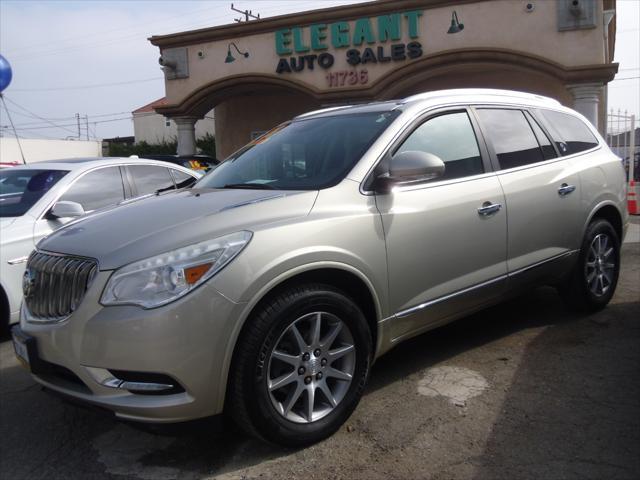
<point>624,139</point>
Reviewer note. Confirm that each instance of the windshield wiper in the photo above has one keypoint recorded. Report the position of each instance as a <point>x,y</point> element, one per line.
<point>251,186</point>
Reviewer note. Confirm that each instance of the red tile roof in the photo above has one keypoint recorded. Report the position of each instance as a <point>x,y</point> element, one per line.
<point>150,108</point>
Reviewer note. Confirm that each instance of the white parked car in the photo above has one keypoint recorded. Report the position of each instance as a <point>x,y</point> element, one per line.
<point>38,198</point>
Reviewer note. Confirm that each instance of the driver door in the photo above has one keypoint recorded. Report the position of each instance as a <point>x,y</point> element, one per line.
<point>446,251</point>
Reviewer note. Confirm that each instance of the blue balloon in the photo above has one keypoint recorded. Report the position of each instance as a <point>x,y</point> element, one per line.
<point>5,73</point>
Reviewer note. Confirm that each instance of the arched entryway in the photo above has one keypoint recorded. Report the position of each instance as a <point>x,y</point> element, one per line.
<point>247,105</point>
<point>244,106</point>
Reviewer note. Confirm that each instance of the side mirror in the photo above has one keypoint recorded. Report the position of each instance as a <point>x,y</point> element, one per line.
<point>65,209</point>
<point>411,167</point>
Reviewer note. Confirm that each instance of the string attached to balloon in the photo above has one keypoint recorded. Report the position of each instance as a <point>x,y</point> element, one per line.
<point>5,79</point>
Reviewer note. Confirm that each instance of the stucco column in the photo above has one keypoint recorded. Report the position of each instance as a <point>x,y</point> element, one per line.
<point>586,97</point>
<point>186,135</point>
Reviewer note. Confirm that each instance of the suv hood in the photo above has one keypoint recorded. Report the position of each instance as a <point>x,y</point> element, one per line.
<point>156,225</point>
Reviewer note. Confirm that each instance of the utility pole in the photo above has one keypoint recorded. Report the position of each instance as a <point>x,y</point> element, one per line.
<point>86,124</point>
<point>246,13</point>
<point>78,121</point>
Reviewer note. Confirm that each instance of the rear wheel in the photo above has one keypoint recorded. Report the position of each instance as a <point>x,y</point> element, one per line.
<point>300,366</point>
<point>595,276</point>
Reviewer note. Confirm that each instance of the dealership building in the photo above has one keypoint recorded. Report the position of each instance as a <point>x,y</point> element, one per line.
<point>257,74</point>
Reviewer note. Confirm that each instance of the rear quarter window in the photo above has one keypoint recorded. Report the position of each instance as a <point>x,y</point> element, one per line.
<point>511,136</point>
<point>570,133</point>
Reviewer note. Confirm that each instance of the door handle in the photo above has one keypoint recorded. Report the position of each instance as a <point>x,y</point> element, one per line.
<point>489,208</point>
<point>565,189</point>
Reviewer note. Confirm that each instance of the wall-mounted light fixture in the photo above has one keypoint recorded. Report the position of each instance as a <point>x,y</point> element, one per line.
<point>167,63</point>
<point>230,58</point>
<point>456,26</point>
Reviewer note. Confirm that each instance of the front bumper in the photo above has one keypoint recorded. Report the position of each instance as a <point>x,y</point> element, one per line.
<point>186,341</point>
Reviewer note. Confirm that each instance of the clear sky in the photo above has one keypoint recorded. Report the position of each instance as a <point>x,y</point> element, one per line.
<point>93,58</point>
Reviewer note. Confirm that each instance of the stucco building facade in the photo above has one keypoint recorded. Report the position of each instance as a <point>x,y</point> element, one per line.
<point>260,73</point>
<point>153,128</point>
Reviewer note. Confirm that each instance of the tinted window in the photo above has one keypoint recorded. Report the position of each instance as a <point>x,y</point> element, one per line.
<point>21,189</point>
<point>511,136</point>
<point>97,189</point>
<point>151,179</point>
<point>451,138</point>
<point>183,180</point>
<point>548,151</point>
<point>306,154</point>
<point>570,130</point>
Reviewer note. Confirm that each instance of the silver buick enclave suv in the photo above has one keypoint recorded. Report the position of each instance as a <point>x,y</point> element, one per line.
<point>268,289</point>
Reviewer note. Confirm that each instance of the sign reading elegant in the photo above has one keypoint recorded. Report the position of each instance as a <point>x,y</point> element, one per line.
<point>310,44</point>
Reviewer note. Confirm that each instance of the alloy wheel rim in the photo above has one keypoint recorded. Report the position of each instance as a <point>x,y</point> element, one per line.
<point>311,367</point>
<point>600,266</point>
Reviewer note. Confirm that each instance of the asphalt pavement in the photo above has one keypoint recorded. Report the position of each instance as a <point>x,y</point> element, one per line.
<point>523,390</point>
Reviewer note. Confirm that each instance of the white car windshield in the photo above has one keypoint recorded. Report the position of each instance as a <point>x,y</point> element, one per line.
<point>21,188</point>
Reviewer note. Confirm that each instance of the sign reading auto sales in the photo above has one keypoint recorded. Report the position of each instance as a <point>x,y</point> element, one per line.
<point>368,41</point>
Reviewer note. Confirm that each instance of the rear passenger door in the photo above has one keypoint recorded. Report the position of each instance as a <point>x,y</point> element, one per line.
<point>149,179</point>
<point>541,191</point>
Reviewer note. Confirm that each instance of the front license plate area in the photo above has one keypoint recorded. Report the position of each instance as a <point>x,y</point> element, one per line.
<point>20,349</point>
<point>25,349</point>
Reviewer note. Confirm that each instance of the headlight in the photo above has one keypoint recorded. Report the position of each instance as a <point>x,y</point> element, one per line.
<point>164,278</point>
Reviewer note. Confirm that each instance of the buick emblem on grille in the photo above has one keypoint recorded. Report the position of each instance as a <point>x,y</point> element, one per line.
<point>28,283</point>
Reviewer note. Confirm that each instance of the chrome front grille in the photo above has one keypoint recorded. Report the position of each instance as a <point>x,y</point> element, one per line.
<point>54,285</point>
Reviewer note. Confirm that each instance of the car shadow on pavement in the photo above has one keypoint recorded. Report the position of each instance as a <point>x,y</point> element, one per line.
<point>539,308</point>
<point>573,407</point>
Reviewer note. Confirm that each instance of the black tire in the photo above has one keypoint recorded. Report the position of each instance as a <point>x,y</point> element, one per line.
<point>249,400</point>
<point>577,291</point>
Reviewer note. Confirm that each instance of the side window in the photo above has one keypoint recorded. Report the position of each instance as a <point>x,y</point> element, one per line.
<point>97,189</point>
<point>513,140</point>
<point>548,152</point>
<point>572,131</point>
<point>450,137</point>
<point>151,178</point>
<point>183,180</point>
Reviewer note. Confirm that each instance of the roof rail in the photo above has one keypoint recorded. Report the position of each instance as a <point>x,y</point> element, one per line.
<point>322,110</point>
<point>480,91</point>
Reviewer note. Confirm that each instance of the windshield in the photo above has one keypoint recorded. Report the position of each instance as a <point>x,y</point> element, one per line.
<point>307,154</point>
<point>20,189</point>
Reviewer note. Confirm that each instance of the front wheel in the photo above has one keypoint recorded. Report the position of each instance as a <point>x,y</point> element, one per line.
<point>300,366</point>
<point>593,281</point>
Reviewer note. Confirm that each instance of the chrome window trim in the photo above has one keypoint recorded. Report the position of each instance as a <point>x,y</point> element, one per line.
<point>546,162</point>
<point>440,183</point>
<point>471,106</point>
<point>98,167</point>
<point>541,163</point>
